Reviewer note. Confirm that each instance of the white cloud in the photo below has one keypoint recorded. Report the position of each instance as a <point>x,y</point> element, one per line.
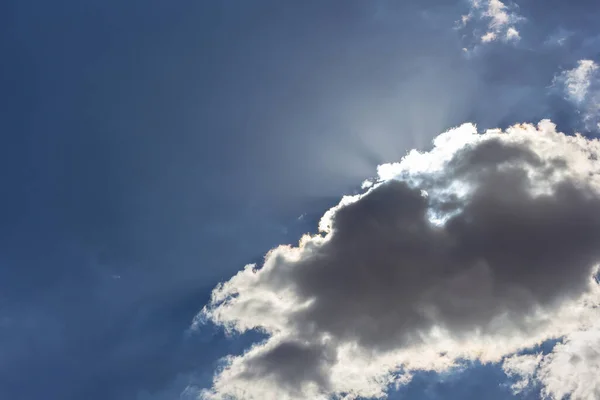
<point>581,86</point>
<point>367,183</point>
<point>489,37</point>
<point>497,257</point>
<point>571,370</point>
<point>578,80</point>
<point>497,12</point>
<point>524,368</point>
<point>512,34</point>
<point>499,21</point>
<point>573,367</point>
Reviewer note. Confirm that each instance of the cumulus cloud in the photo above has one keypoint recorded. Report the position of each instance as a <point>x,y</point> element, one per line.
<point>494,20</point>
<point>581,86</point>
<point>482,246</point>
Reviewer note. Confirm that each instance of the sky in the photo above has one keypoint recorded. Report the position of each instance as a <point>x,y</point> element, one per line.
<point>299,200</point>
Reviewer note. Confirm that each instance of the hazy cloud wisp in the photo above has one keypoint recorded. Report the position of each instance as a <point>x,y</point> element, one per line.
<point>581,86</point>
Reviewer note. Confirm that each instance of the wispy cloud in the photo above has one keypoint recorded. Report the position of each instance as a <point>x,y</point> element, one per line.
<point>581,86</point>
<point>523,368</point>
<point>577,81</point>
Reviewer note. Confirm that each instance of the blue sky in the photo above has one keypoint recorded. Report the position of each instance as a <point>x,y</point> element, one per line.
<point>152,149</point>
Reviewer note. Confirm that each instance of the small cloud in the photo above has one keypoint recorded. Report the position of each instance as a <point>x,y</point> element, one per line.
<point>522,367</point>
<point>488,37</point>
<point>465,19</point>
<point>512,34</point>
<point>495,18</point>
<point>581,86</point>
<point>497,12</point>
<point>367,183</point>
<point>578,80</point>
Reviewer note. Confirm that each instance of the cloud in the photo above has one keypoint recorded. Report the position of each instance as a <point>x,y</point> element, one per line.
<point>570,370</point>
<point>558,37</point>
<point>495,19</point>
<point>488,37</point>
<point>482,246</point>
<point>512,34</point>
<point>581,86</point>
<point>524,367</point>
<point>577,81</point>
<point>573,367</point>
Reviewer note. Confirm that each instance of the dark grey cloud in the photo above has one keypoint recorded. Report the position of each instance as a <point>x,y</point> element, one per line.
<point>292,364</point>
<point>504,251</point>
<point>519,236</point>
